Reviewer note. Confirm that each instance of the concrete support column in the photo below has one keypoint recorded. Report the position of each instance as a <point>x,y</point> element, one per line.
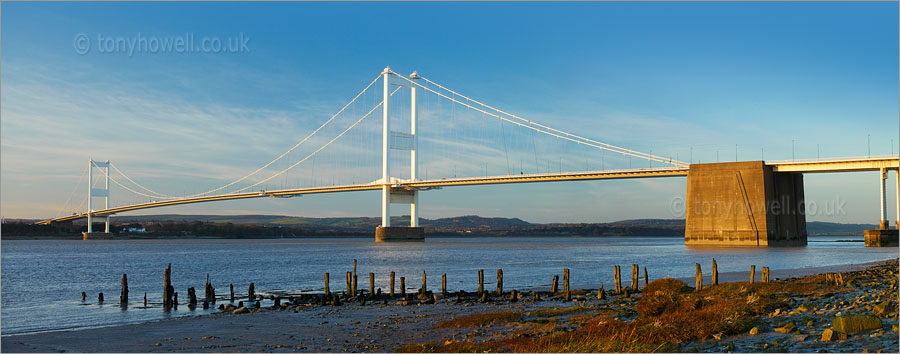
<point>90,195</point>
<point>413,159</point>
<point>385,148</point>
<point>883,222</point>
<point>107,196</point>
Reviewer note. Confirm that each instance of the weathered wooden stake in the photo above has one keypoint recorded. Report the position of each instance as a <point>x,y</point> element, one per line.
<point>349,283</point>
<point>100,297</point>
<point>354,267</point>
<point>601,294</point>
<point>715,273</point>
<point>403,287</point>
<point>499,281</point>
<point>752,273</point>
<point>554,287</point>
<point>83,296</point>
<point>699,285</point>
<point>635,270</point>
<point>444,284</point>
<point>646,281</point>
<point>371,284</point>
<point>231,290</point>
<point>168,289</point>
<point>123,297</point>
<point>145,299</point>
<point>617,273</point>
<point>192,297</point>
<point>392,284</point>
<point>480,281</point>
<point>327,288</point>
<point>566,284</point>
<point>175,299</point>
<point>354,283</point>
<point>424,289</point>
<point>765,274</point>
<point>513,296</point>
<point>251,293</point>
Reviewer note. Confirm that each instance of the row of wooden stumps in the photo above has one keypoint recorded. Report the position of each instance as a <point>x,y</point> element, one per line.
<point>715,275</point>
<point>170,296</point>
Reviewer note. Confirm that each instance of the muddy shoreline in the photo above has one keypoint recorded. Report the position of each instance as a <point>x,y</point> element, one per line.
<point>376,327</point>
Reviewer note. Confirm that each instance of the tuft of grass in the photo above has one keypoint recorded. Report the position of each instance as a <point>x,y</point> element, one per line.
<point>480,320</point>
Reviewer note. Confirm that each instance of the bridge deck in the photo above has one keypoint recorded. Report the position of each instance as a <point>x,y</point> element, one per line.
<point>804,166</point>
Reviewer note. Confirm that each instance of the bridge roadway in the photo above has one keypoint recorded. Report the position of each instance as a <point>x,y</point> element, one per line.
<point>805,166</point>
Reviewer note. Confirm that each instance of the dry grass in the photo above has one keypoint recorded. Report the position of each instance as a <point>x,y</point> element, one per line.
<point>557,311</point>
<point>483,319</point>
<point>670,313</point>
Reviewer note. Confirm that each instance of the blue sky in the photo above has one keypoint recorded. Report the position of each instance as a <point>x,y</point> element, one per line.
<point>679,79</point>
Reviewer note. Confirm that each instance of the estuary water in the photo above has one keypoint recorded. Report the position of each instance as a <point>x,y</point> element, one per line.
<point>42,280</point>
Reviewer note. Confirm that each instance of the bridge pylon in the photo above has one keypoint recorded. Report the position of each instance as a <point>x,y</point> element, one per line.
<point>97,193</point>
<point>389,193</point>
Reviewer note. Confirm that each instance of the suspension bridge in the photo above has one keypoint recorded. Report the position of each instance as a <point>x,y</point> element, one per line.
<point>430,137</point>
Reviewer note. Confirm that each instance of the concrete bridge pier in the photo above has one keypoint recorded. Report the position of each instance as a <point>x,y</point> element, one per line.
<point>744,204</point>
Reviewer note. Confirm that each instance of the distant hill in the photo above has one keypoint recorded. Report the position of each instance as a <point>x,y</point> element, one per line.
<point>467,222</point>
<point>821,228</point>
<point>293,226</point>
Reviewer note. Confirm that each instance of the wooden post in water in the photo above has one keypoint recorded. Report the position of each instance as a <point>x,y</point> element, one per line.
<point>123,297</point>
<point>554,288</point>
<point>752,273</point>
<point>145,299</point>
<point>349,283</point>
<point>83,296</point>
<point>403,287</point>
<point>392,284</point>
<point>699,282</point>
<point>424,289</point>
<point>715,273</point>
<point>617,273</point>
<point>372,284</point>
<point>635,270</point>
<point>100,297</point>
<point>175,299</point>
<point>192,297</point>
<point>601,294</point>
<point>168,290</point>
<point>251,293</point>
<point>566,284</point>
<point>354,283</point>
<point>444,284</point>
<point>499,281</point>
<point>765,274</point>
<point>354,267</point>
<point>327,288</point>
<point>480,281</point>
<point>231,291</point>
<point>646,281</point>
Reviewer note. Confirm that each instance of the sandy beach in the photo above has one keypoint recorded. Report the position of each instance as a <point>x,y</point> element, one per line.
<point>376,327</point>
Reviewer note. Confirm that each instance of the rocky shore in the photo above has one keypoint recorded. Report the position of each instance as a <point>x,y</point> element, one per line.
<point>855,311</point>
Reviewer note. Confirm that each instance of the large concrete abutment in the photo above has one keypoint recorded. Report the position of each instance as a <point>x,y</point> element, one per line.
<point>744,204</point>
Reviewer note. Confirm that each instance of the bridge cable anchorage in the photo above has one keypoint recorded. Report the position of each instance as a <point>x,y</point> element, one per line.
<point>573,136</point>
<point>164,196</point>
<point>314,152</point>
<point>80,179</point>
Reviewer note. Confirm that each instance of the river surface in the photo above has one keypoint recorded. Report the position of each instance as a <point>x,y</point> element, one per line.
<point>42,280</point>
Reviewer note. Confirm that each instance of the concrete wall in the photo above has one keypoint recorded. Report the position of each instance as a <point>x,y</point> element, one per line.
<point>744,204</point>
